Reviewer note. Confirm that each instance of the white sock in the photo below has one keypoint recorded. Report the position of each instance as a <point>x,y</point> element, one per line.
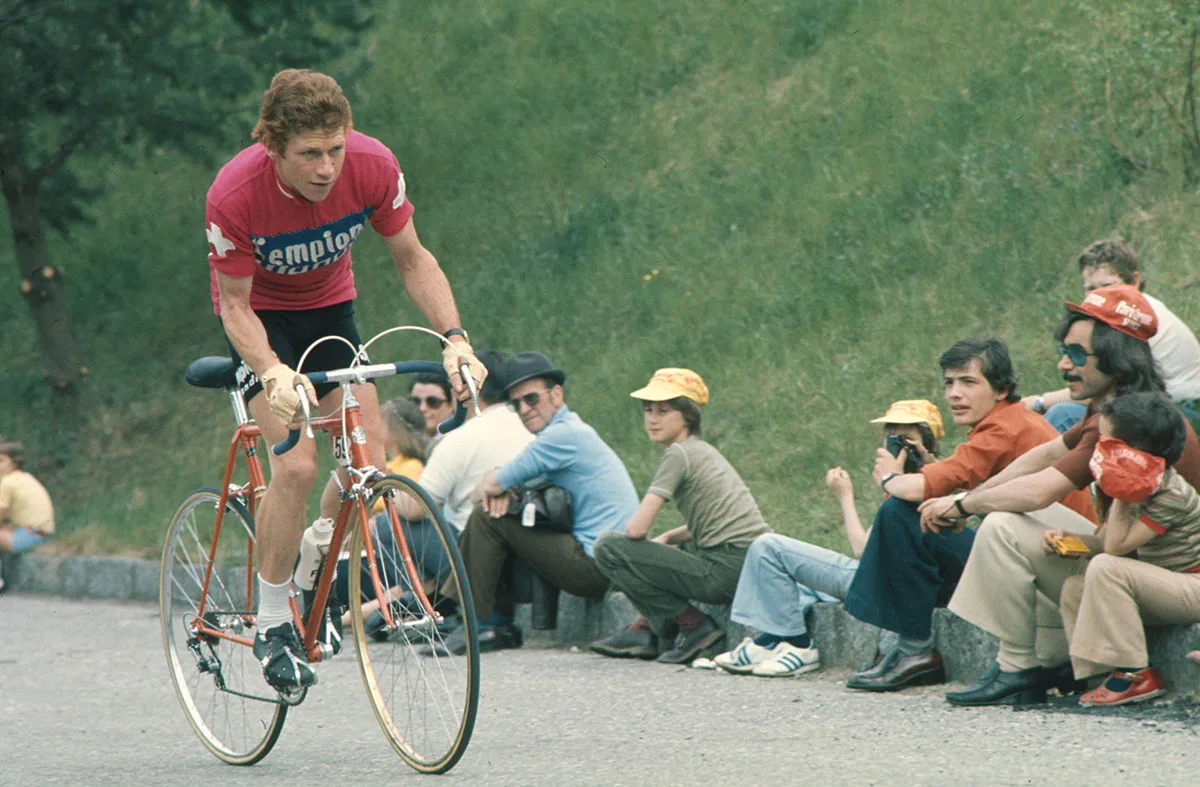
<point>273,606</point>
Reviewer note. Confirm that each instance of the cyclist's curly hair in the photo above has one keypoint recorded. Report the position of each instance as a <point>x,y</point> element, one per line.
<point>297,102</point>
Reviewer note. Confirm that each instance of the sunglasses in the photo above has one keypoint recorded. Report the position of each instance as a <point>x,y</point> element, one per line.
<point>432,402</point>
<point>530,399</point>
<point>1075,353</point>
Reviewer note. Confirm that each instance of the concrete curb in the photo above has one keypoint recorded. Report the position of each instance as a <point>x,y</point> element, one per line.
<point>843,640</point>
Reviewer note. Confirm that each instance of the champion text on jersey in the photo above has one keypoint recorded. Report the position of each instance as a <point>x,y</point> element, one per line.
<point>307,250</point>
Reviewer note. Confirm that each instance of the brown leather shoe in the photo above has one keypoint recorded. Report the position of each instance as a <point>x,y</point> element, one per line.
<point>921,670</point>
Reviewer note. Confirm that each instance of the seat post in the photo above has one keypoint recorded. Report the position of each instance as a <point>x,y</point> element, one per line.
<point>239,406</point>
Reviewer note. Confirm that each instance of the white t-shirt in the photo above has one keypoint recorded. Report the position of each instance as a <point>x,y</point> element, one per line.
<point>1175,348</point>
<point>465,455</point>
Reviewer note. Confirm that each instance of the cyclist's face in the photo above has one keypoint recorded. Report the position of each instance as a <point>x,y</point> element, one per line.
<point>427,394</point>
<point>548,399</point>
<point>312,163</point>
<point>664,425</point>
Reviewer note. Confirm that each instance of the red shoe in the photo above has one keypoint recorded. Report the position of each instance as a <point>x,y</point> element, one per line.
<point>1144,685</point>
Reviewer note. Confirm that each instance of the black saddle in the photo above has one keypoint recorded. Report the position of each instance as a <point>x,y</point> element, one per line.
<point>211,372</point>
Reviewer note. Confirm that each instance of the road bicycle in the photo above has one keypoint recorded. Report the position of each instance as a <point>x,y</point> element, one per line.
<point>424,700</point>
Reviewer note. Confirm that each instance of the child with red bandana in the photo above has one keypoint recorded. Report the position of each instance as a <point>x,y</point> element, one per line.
<point>1147,553</point>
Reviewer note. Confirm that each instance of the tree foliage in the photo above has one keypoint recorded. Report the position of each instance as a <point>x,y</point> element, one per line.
<point>112,77</point>
<point>1134,70</point>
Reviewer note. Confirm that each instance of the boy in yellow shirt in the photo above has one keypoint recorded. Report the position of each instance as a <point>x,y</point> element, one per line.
<point>26,513</point>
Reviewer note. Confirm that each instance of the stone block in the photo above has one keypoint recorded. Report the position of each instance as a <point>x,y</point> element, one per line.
<point>109,577</point>
<point>33,573</point>
<point>72,574</point>
<point>145,581</point>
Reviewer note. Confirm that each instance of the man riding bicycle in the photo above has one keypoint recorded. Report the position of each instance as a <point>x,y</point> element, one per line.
<point>281,217</point>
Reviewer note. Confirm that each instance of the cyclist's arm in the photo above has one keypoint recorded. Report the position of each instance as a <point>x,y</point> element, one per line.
<point>423,279</point>
<point>245,331</point>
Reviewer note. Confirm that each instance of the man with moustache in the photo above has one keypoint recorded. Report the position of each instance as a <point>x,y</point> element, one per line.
<point>906,570</point>
<point>1103,354</point>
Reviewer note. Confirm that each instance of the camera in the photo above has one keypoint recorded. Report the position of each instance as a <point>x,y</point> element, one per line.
<point>895,443</point>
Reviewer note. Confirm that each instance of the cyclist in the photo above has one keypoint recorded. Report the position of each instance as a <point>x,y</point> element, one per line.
<point>281,218</point>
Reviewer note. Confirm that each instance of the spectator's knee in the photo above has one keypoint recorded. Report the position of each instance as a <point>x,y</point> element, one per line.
<point>1104,568</point>
<point>608,546</point>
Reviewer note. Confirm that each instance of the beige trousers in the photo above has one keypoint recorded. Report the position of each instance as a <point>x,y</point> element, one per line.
<point>1106,609</point>
<point>1010,586</point>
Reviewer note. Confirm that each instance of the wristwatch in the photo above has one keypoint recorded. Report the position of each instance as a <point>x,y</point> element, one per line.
<point>958,503</point>
<point>457,332</point>
<point>1039,405</point>
<point>883,481</point>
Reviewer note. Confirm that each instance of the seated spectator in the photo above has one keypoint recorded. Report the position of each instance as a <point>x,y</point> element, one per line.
<point>1010,586</point>
<point>26,513</point>
<point>463,458</point>
<point>431,393</point>
<point>698,561</point>
<point>783,578</point>
<point>569,454</point>
<point>1174,346</point>
<point>403,440</point>
<point>1146,555</point>
<point>907,570</point>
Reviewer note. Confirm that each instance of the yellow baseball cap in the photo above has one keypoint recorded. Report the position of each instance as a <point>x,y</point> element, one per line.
<point>914,411</point>
<point>670,383</point>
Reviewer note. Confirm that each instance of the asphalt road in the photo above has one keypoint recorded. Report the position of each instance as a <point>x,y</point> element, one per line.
<point>85,700</point>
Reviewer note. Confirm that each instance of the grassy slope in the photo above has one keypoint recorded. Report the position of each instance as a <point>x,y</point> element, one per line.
<point>805,202</point>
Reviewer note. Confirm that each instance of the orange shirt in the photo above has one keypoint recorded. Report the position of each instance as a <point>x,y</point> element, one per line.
<point>1005,433</point>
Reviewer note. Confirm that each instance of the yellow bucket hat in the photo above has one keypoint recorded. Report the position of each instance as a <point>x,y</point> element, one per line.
<point>914,411</point>
<point>670,383</point>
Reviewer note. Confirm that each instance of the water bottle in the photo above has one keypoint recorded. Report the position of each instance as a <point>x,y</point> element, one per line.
<point>313,547</point>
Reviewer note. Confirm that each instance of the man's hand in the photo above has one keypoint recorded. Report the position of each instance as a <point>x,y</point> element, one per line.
<point>1050,540</point>
<point>454,355</point>
<point>938,513</point>
<point>279,383</point>
<point>886,463</point>
<point>838,480</point>
<point>492,497</point>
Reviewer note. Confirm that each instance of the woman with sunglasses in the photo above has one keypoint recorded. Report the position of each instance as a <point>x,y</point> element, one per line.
<point>698,561</point>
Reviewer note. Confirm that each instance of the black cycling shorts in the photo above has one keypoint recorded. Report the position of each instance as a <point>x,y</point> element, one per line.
<point>291,332</point>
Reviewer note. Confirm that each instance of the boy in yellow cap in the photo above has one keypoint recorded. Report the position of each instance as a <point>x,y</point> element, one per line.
<point>699,561</point>
<point>783,577</point>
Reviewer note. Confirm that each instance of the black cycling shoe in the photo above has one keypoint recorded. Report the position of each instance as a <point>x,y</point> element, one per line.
<point>284,665</point>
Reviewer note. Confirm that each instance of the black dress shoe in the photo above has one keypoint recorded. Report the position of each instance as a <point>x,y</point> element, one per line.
<point>996,687</point>
<point>901,671</point>
<point>1062,677</point>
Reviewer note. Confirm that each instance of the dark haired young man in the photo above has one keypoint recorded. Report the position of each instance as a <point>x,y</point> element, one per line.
<point>1173,345</point>
<point>906,569</point>
<point>1009,578</point>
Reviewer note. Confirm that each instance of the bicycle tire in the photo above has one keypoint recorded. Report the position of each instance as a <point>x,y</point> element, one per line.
<point>425,702</point>
<point>209,672</point>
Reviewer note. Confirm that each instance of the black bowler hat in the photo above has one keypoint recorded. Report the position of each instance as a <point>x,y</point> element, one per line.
<point>527,365</point>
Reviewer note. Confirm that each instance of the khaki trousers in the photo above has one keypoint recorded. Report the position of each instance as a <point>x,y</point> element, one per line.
<point>1011,587</point>
<point>1106,609</point>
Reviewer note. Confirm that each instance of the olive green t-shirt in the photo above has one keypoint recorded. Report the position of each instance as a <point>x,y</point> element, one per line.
<point>715,503</point>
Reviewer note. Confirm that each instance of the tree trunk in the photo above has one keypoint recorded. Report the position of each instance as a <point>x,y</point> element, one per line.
<point>42,288</point>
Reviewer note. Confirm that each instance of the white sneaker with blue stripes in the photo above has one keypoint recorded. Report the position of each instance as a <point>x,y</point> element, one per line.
<point>742,659</point>
<point>788,660</point>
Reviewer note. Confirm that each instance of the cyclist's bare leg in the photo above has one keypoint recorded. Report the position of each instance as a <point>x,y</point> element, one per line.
<point>280,519</point>
<point>372,418</point>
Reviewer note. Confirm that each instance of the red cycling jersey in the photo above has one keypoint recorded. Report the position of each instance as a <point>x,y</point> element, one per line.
<point>299,251</point>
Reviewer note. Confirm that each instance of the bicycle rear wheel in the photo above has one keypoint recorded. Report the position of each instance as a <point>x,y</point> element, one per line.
<point>425,699</point>
<point>231,707</point>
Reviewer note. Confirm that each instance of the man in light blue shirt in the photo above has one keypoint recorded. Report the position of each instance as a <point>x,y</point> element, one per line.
<point>568,453</point>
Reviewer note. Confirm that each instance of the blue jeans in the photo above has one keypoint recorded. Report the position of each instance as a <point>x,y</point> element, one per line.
<point>428,555</point>
<point>1064,415</point>
<point>905,573</point>
<point>783,578</point>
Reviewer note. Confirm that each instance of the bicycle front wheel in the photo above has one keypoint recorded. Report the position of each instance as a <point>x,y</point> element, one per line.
<point>424,696</point>
<point>206,600</point>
